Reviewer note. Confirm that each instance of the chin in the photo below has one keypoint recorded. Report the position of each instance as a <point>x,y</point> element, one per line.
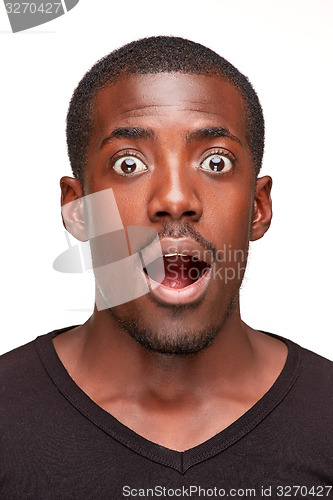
<point>179,330</point>
<point>174,341</point>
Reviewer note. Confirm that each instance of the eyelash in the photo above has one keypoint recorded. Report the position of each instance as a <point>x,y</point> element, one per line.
<point>222,152</point>
<point>122,154</point>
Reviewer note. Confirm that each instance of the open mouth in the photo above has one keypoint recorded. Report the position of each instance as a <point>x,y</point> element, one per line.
<point>180,270</point>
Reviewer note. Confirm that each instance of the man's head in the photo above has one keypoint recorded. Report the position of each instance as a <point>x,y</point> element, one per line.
<point>177,136</point>
<point>161,54</point>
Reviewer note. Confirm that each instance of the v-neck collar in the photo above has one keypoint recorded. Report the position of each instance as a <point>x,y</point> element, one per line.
<point>180,461</point>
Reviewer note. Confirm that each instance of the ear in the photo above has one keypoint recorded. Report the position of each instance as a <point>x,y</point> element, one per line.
<point>72,207</point>
<point>262,209</point>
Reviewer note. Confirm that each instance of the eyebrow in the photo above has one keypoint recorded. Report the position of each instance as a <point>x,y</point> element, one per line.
<point>211,133</point>
<point>143,133</point>
<point>129,132</point>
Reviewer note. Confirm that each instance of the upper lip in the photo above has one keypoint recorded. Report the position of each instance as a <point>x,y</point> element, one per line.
<point>185,246</point>
<point>182,246</point>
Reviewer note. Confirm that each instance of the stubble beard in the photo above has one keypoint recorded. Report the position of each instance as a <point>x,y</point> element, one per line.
<point>180,342</point>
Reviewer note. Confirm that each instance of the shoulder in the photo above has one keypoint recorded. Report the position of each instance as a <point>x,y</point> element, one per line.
<point>21,377</point>
<point>17,363</point>
<point>22,361</point>
<point>307,382</point>
<point>315,366</point>
<point>310,399</point>
<point>24,380</point>
<point>316,374</point>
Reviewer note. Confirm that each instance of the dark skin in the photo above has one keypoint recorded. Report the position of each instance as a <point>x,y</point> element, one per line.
<point>175,401</point>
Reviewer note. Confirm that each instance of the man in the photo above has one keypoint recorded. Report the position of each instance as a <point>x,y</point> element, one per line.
<point>168,393</point>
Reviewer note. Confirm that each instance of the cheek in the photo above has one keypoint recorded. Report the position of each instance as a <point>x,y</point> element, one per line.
<point>230,228</point>
<point>229,216</point>
<point>132,204</point>
<point>130,196</point>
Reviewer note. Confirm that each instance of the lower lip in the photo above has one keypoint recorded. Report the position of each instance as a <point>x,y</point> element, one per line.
<point>180,296</point>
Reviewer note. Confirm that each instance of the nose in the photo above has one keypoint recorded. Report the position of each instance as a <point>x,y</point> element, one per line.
<point>175,194</point>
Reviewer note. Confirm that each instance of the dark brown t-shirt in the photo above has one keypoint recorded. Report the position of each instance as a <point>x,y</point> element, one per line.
<point>56,443</point>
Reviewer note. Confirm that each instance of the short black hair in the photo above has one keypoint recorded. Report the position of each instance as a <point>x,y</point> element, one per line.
<point>156,54</point>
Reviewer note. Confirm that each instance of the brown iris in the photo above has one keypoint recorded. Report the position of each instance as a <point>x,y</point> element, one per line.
<point>216,164</point>
<point>128,166</point>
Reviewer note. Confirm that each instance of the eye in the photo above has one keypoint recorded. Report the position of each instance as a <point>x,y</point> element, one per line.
<point>217,162</point>
<point>129,165</point>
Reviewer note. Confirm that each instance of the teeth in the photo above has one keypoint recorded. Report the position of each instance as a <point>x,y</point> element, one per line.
<point>173,254</point>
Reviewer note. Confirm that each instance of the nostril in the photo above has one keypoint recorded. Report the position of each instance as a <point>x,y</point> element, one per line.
<point>170,203</point>
<point>188,213</point>
<point>161,214</point>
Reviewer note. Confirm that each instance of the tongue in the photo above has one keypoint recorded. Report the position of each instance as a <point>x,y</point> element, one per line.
<point>180,271</point>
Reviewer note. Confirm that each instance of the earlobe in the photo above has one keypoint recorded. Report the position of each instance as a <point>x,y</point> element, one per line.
<point>262,209</point>
<point>72,207</point>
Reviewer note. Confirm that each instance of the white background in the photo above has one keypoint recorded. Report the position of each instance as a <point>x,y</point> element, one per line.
<point>284,47</point>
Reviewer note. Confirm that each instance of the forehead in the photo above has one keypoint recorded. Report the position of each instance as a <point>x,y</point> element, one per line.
<point>169,102</point>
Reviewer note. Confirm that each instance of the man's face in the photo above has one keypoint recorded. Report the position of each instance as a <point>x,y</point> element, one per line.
<point>179,163</point>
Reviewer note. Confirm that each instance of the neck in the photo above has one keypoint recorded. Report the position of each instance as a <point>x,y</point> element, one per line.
<point>175,401</point>
<point>103,358</point>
